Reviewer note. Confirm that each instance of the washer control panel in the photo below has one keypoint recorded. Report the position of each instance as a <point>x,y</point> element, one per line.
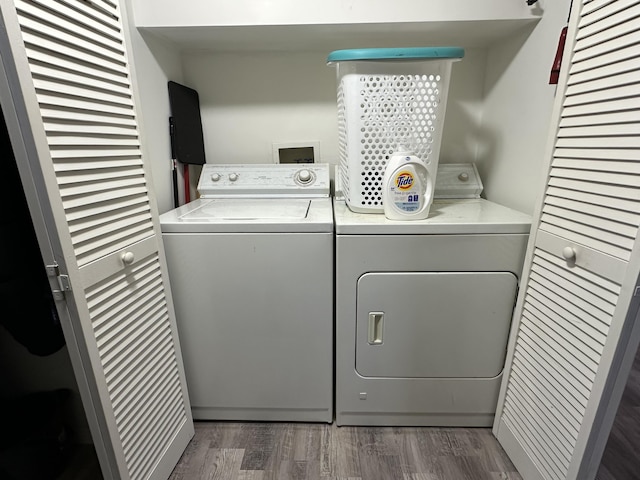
<point>264,180</point>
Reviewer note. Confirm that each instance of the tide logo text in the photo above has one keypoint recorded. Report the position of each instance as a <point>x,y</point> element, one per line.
<point>404,180</point>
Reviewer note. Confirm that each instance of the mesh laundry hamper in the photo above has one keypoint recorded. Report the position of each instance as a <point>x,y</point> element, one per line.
<point>388,98</point>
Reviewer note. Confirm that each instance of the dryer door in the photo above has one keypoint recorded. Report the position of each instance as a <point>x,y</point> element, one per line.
<point>433,324</point>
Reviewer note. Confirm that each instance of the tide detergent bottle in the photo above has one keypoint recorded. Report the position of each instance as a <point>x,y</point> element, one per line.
<point>408,187</point>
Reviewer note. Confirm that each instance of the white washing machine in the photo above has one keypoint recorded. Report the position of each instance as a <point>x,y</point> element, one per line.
<point>423,308</point>
<point>251,271</point>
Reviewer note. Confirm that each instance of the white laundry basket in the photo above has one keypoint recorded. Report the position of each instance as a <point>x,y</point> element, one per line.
<point>388,98</point>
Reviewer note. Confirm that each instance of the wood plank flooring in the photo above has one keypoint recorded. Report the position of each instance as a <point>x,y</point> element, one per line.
<point>266,451</point>
<point>621,460</point>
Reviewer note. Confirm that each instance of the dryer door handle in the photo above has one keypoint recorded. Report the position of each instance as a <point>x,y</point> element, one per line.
<point>376,328</point>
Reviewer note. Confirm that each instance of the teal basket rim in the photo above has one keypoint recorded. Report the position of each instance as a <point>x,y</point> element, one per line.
<point>411,53</point>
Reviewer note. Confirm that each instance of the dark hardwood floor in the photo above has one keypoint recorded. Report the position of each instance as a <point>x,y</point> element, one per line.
<point>621,459</point>
<point>244,451</point>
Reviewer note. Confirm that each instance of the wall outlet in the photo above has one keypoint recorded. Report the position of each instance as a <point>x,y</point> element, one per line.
<point>296,152</point>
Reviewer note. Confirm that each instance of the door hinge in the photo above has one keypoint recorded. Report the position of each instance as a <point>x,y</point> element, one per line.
<point>63,285</point>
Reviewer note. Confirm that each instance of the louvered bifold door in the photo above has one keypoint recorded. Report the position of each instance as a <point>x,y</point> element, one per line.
<point>582,261</point>
<point>73,93</point>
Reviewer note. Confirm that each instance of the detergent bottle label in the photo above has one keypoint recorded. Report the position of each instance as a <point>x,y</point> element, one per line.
<point>403,192</point>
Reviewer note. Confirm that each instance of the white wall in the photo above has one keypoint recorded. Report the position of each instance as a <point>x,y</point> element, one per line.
<point>155,62</point>
<point>251,100</point>
<point>517,110</point>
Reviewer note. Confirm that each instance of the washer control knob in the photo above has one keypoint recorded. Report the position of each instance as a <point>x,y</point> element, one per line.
<point>304,176</point>
<point>569,254</point>
<point>233,177</point>
<point>463,177</point>
<point>215,177</point>
<point>128,258</point>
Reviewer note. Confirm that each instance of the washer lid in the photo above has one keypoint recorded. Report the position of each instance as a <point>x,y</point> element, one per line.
<point>250,215</point>
<point>249,209</point>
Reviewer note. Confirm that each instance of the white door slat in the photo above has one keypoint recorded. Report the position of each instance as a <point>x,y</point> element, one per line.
<point>541,413</point>
<point>57,74</point>
<point>143,459</point>
<point>591,66</point>
<point>50,35</point>
<point>597,154</point>
<point>599,130</point>
<point>88,201</point>
<point>80,117</point>
<point>107,218</point>
<point>151,387</point>
<point>71,51</point>
<point>608,17</point>
<point>100,231</point>
<point>602,45</point>
<point>605,106</point>
<point>584,325</point>
<point>105,71</point>
<point>133,348</point>
<point>599,177</point>
<point>557,450</point>
<point>97,152</point>
<point>117,202</point>
<point>46,84</point>
<point>546,357</point>
<point>628,142</point>
<point>567,410</point>
<point>620,216</point>
<point>592,199</point>
<point>517,427</point>
<point>83,10</point>
<point>75,165</point>
<point>599,84</point>
<point>613,32</point>
<point>535,328</point>
<point>144,308</point>
<point>591,7</point>
<point>64,128</point>
<point>596,188</point>
<point>625,91</point>
<point>533,436</point>
<point>603,71</point>
<point>88,31</point>
<point>156,393</point>
<point>123,400</point>
<point>597,165</point>
<point>617,118</point>
<point>71,19</point>
<point>557,385</point>
<point>586,219</point>
<point>97,175</point>
<point>92,140</point>
<point>564,337</point>
<point>156,412</point>
<point>74,190</point>
<point>56,101</point>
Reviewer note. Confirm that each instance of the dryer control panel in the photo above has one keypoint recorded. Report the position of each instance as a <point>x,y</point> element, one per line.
<point>264,180</point>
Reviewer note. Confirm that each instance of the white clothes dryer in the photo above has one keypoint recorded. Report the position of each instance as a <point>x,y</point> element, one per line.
<point>424,308</point>
<point>251,272</point>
